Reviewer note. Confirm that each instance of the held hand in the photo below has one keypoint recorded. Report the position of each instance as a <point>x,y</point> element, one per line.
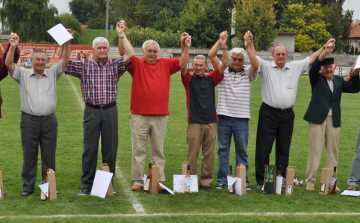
<point>248,38</point>
<point>329,47</point>
<point>71,31</point>
<point>184,36</point>
<point>352,71</point>
<point>188,41</point>
<point>223,38</point>
<point>121,27</point>
<point>14,39</point>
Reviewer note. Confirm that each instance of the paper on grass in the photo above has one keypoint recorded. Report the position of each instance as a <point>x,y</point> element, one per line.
<point>351,193</point>
<point>357,65</point>
<point>166,188</point>
<point>179,184</point>
<point>238,189</point>
<point>279,183</point>
<point>231,181</point>
<point>45,188</point>
<point>101,183</point>
<point>60,34</point>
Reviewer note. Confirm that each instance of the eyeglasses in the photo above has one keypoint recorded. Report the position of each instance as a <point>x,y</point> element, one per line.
<point>281,54</point>
<point>234,59</point>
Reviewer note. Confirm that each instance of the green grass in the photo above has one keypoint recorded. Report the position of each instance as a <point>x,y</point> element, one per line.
<point>214,206</point>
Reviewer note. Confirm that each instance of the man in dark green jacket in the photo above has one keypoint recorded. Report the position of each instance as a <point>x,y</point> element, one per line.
<point>324,113</point>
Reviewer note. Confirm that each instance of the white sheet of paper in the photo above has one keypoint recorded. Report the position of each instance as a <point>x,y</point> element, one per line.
<point>101,183</point>
<point>231,181</point>
<point>166,188</point>
<point>279,181</point>
<point>351,193</point>
<point>357,65</point>
<point>179,184</point>
<point>45,188</point>
<point>238,189</point>
<point>60,34</point>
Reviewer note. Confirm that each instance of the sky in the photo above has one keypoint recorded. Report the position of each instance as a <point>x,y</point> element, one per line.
<point>63,6</point>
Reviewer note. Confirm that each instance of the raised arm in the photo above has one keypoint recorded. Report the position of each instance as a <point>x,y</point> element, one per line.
<point>322,49</point>
<point>62,46</point>
<point>125,47</point>
<point>9,62</point>
<point>225,57</point>
<point>213,51</point>
<point>249,45</point>
<point>186,39</point>
<point>329,47</point>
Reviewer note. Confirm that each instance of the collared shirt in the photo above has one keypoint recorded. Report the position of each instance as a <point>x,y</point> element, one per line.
<point>234,93</point>
<point>99,82</point>
<point>279,86</point>
<point>37,94</point>
<point>331,86</point>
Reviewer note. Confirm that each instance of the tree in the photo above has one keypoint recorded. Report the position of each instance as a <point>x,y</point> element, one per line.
<point>84,10</point>
<point>309,22</point>
<point>258,16</point>
<point>201,20</point>
<point>30,19</point>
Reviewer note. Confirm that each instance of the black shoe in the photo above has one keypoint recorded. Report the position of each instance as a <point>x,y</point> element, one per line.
<point>57,192</point>
<point>207,188</point>
<point>220,186</point>
<point>84,191</point>
<point>26,193</point>
<point>248,187</point>
<point>114,191</point>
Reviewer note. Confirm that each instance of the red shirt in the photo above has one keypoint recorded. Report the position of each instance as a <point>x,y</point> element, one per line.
<point>151,85</point>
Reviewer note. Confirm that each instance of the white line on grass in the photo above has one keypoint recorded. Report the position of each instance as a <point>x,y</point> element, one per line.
<point>132,197</point>
<point>187,214</point>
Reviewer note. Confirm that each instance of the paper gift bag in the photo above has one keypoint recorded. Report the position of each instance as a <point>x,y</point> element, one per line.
<point>269,179</point>
<point>51,179</point>
<point>289,182</point>
<point>241,173</point>
<point>324,180</point>
<point>1,186</point>
<point>154,184</point>
<point>184,168</point>
<point>105,167</point>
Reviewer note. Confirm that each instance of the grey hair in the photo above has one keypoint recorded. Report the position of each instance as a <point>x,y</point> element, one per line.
<point>99,40</point>
<point>150,41</point>
<point>37,51</point>
<point>237,51</point>
<point>277,46</point>
<point>201,57</point>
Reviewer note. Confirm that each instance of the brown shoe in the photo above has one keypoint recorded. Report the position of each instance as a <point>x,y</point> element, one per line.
<point>351,187</point>
<point>310,188</point>
<point>337,189</point>
<point>136,188</point>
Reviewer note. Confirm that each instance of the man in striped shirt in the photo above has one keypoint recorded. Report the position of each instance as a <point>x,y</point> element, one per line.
<point>99,85</point>
<point>234,106</point>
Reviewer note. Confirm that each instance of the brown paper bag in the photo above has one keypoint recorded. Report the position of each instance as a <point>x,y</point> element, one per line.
<point>1,186</point>
<point>51,179</point>
<point>184,168</point>
<point>154,184</point>
<point>105,167</point>
<point>324,180</point>
<point>241,173</point>
<point>289,181</point>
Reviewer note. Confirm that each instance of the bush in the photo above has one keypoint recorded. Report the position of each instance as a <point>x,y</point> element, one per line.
<point>137,35</point>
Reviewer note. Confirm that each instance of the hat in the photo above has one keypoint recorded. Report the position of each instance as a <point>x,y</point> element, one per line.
<point>328,61</point>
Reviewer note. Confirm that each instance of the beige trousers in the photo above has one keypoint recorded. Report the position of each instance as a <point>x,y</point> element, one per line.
<point>143,126</point>
<point>318,133</point>
<point>202,135</point>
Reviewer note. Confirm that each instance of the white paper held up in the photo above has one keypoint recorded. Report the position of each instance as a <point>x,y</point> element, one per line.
<point>101,183</point>
<point>60,34</point>
<point>45,188</point>
<point>357,65</point>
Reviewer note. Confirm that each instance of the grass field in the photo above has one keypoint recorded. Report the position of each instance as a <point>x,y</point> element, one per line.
<point>128,206</point>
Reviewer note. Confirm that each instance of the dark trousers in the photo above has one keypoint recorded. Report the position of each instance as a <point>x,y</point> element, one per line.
<point>35,131</point>
<point>98,122</point>
<point>273,124</point>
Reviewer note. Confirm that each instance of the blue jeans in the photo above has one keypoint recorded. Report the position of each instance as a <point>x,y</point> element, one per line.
<point>228,127</point>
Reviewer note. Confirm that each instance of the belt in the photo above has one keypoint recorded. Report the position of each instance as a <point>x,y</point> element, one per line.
<point>285,110</point>
<point>101,107</point>
<point>36,116</point>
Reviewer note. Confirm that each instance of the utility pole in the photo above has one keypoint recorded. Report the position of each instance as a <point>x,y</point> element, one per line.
<point>107,19</point>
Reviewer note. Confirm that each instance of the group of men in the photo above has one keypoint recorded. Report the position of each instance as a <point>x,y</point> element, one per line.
<point>149,107</point>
